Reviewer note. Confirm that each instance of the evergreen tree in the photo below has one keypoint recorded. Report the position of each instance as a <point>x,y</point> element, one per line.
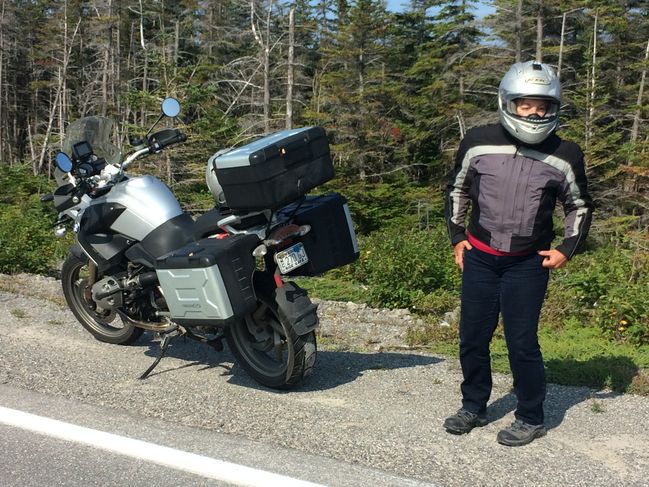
<point>448,78</point>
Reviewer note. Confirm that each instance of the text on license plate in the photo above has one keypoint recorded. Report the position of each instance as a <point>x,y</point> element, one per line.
<point>291,258</point>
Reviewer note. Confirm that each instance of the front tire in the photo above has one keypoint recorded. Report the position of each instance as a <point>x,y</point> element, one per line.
<point>269,349</point>
<point>104,326</point>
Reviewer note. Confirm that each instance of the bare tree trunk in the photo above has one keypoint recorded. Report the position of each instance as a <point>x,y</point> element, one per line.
<point>2,91</point>
<point>146,60</point>
<point>638,112</point>
<point>117,78</point>
<point>176,47</point>
<point>265,50</point>
<point>30,139</point>
<point>563,33</point>
<point>289,76</point>
<point>361,78</point>
<point>53,107</point>
<point>539,32</point>
<point>519,31</point>
<point>210,31</point>
<point>461,124</point>
<point>2,48</point>
<point>64,79</point>
<point>593,84</point>
<point>104,80</point>
<point>168,168</point>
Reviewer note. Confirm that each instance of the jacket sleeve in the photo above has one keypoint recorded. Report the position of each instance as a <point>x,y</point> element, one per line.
<point>457,201</point>
<point>577,207</point>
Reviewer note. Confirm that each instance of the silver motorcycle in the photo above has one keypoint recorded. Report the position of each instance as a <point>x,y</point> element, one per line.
<point>140,263</point>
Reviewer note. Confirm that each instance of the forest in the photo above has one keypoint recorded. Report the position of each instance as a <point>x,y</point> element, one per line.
<point>395,91</point>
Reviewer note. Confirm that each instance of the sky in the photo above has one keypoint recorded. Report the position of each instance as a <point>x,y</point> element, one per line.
<point>399,5</point>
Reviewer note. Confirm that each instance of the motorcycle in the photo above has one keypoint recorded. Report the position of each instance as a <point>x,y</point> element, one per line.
<point>140,263</point>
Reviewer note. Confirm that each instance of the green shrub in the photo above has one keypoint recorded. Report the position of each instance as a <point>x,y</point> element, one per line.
<point>401,268</point>
<point>28,242</point>
<point>607,287</point>
<point>376,206</point>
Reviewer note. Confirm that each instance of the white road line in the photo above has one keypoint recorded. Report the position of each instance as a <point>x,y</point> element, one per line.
<point>162,455</point>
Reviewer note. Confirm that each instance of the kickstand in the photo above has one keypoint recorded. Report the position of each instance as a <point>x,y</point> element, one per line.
<point>164,344</point>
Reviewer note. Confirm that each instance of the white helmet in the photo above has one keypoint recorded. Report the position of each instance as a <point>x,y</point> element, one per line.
<point>212,181</point>
<point>529,80</point>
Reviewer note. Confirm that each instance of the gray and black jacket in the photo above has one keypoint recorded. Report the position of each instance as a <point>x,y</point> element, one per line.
<point>513,189</point>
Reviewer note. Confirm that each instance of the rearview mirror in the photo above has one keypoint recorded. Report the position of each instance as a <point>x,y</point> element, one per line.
<point>170,107</point>
<point>63,162</point>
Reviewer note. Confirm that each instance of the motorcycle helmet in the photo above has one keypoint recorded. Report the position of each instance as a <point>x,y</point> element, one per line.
<point>529,80</point>
<point>212,181</point>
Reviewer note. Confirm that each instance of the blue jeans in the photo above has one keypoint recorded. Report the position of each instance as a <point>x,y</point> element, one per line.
<point>515,287</point>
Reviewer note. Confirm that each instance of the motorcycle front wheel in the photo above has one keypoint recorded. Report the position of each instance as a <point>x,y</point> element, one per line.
<point>105,326</point>
<point>269,349</point>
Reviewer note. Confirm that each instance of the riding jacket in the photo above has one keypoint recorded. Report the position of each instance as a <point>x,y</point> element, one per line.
<point>513,188</point>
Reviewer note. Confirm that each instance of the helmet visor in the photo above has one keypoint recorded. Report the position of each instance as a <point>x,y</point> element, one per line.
<point>533,109</point>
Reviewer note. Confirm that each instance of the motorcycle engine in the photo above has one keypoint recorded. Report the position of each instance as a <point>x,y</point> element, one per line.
<point>107,294</point>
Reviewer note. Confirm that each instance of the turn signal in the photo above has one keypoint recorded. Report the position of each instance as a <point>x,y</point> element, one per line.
<point>260,251</point>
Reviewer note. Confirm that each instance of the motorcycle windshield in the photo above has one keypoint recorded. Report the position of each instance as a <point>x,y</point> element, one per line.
<point>97,131</point>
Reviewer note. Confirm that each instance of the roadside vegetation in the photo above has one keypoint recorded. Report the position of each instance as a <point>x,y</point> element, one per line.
<point>595,323</point>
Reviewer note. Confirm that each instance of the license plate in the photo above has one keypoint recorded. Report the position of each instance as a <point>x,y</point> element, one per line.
<point>291,258</point>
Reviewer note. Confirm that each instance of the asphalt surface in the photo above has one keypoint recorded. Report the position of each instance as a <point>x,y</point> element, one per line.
<point>378,410</point>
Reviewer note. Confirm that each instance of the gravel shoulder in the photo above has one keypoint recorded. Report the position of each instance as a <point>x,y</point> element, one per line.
<point>371,401</point>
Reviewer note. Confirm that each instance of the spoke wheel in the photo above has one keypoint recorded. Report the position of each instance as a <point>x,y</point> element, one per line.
<point>103,325</point>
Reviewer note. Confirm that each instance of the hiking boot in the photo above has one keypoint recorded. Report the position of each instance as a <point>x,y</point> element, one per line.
<point>464,421</point>
<point>520,433</point>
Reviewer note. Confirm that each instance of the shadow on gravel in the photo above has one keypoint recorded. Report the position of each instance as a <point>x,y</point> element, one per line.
<point>332,369</point>
<point>198,355</point>
<point>336,368</point>
<point>597,378</point>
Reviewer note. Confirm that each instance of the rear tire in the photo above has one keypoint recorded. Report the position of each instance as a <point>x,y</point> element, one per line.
<point>104,326</point>
<point>269,349</point>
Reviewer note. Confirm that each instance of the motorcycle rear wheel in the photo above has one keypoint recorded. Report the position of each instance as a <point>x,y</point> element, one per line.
<point>104,326</point>
<point>269,349</point>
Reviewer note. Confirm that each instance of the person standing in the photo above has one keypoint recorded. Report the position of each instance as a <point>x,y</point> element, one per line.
<point>510,175</point>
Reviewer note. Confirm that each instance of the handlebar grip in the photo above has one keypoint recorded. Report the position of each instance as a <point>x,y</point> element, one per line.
<point>161,144</point>
<point>47,197</point>
<point>181,137</point>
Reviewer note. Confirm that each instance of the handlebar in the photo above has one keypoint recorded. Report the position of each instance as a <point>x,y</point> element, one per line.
<point>165,138</point>
<point>181,137</point>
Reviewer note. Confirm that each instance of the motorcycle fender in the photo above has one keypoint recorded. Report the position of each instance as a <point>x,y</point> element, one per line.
<point>78,252</point>
<point>296,308</point>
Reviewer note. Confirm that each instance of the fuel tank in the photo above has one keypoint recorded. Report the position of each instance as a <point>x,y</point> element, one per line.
<point>147,203</point>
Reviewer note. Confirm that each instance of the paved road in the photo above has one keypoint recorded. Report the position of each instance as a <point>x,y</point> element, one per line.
<point>377,410</point>
<point>54,441</point>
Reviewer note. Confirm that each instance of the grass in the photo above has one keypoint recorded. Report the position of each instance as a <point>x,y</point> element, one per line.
<point>597,407</point>
<point>19,313</point>
<point>581,356</point>
<point>333,290</point>
<point>574,354</point>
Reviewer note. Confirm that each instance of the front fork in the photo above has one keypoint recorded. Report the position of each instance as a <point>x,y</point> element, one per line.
<point>92,279</point>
